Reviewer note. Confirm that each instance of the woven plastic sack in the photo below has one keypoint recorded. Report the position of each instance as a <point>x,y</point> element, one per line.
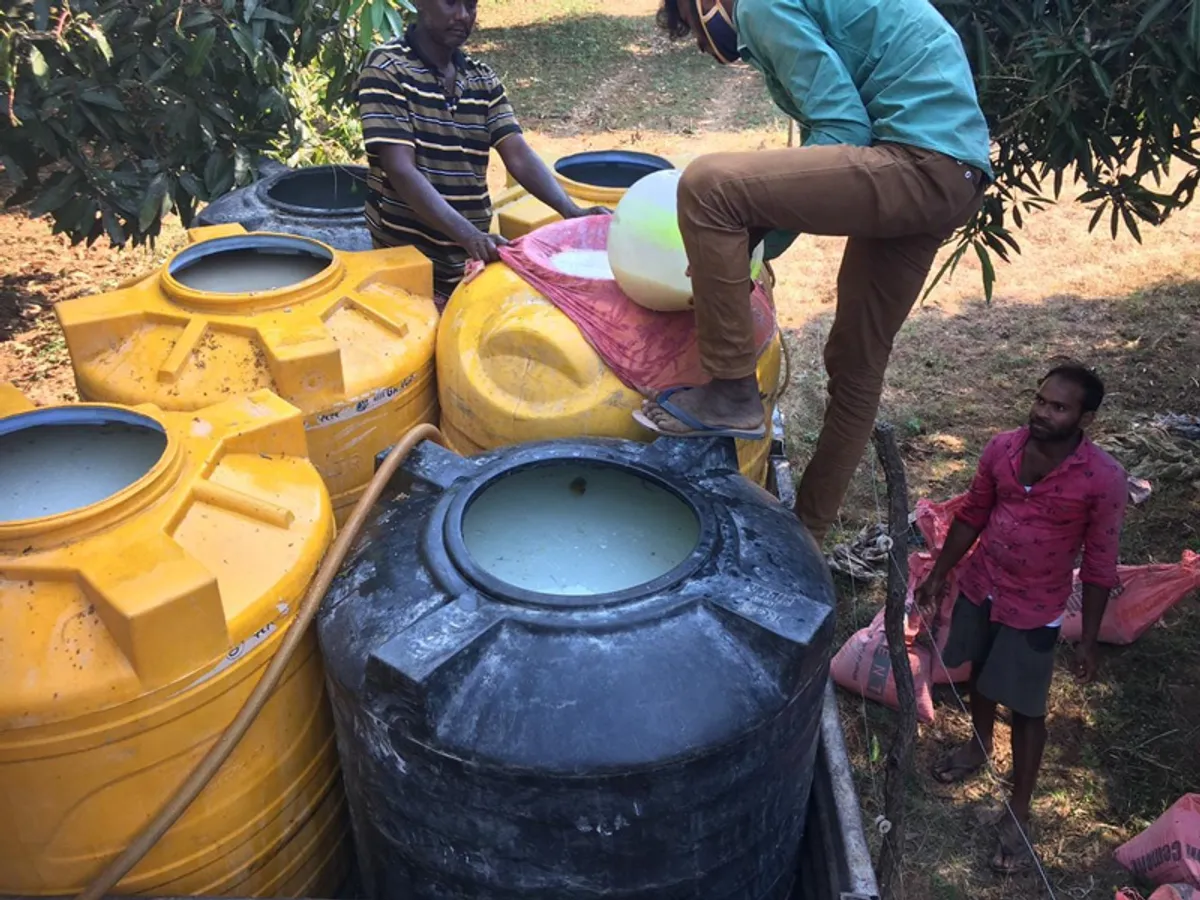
<point>649,351</point>
<point>863,666</point>
<point>1141,599</point>
<point>933,520</point>
<point>1168,852</point>
<point>1166,892</point>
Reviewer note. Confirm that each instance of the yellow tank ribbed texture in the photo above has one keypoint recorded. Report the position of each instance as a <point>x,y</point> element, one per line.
<point>511,368</point>
<point>133,629</point>
<point>351,346</point>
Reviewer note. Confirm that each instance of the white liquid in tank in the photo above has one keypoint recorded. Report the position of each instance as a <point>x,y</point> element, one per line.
<point>52,469</point>
<point>583,263</point>
<point>247,271</point>
<point>578,530</point>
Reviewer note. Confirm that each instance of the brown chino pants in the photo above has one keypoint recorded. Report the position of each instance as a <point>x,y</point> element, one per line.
<point>896,204</point>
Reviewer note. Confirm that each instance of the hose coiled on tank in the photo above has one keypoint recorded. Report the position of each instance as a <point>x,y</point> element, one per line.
<point>200,776</point>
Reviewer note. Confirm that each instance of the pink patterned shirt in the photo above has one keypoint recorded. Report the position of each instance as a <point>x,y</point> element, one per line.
<point>1030,539</point>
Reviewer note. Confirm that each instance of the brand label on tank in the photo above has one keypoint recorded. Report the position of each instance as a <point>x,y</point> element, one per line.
<point>235,653</point>
<point>360,406</point>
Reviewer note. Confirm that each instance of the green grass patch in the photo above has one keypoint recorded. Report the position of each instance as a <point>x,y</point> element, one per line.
<point>580,69</point>
<point>1120,750</point>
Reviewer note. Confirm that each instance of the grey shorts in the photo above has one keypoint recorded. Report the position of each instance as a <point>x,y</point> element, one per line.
<point>1011,666</point>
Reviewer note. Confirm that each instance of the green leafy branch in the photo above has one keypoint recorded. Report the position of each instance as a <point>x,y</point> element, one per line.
<point>1105,93</point>
<point>119,113</point>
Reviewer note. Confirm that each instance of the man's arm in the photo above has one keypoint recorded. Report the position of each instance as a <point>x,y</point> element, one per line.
<point>969,521</point>
<point>399,163</point>
<point>535,176</point>
<point>1098,572</point>
<point>792,44</point>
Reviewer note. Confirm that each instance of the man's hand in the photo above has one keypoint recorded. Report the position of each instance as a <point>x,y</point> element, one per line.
<point>926,596</point>
<point>482,246</point>
<point>574,211</point>
<point>1086,663</point>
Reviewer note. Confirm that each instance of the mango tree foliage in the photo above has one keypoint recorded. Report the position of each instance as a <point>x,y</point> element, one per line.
<point>1104,92</point>
<point>117,113</point>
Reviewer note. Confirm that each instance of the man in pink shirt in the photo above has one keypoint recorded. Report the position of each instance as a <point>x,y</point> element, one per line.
<point>1041,494</point>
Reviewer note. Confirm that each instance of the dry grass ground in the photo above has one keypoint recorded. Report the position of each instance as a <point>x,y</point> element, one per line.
<point>1121,750</point>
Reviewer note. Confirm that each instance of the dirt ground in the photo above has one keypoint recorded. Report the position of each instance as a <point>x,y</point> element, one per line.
<point>1120,750</point>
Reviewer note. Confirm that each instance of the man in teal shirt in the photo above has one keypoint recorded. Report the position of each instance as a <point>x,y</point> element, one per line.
<point>894,157</point>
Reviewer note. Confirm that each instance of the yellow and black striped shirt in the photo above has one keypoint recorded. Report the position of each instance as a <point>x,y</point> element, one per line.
<point>402,100</point>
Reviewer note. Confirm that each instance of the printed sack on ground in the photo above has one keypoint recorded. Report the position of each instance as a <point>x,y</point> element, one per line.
<point>1141,599</point>
<point>1166,892</point>
<point>1168,852</point>
<point>863,666</point>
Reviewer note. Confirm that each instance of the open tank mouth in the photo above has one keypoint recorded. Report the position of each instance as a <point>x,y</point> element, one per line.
<point>56,461</point>
<point>610,168</point>
<point>575,533</point>
<point>245,264</point>
<point>319,191</point>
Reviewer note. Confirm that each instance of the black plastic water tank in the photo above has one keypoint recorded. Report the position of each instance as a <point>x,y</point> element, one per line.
<point>320,202</point>
<point>579,669</point>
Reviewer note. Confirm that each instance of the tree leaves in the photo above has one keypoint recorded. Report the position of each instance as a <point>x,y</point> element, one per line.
<point>122,112</point>
<point>153,201</point>
<point>37,63</point>
<point>106,97</point>
<point>98,38</point>
<point>197,54</point>
<point>1102,93</point>
<point>59,189</point>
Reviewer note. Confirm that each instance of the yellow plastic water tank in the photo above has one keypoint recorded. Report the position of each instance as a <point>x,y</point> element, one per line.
<point>149,564</point>
<point>591,178</point>
<point>346,337</point>
<point>511,368</point>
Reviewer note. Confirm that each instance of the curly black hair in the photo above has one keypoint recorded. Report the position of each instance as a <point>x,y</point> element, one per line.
<point>671,22</point>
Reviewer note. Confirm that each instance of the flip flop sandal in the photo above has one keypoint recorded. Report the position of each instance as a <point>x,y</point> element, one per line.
<point>698,428</point>
<point>1013,849</point>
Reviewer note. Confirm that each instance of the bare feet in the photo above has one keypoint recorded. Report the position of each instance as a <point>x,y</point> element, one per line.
<point>960,764</point>
<point>720,404</point>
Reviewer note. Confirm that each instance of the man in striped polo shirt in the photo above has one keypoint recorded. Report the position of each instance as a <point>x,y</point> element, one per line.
<point>431,116</point>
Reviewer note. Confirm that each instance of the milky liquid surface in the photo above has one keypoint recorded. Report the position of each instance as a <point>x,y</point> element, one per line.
<point>246,271</point>
<point>578,530</point>
<point>583,263</point>
<point>50,469</point>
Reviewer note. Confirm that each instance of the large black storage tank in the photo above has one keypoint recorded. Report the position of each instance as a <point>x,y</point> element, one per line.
<point>320,202</point>
<point>579,669</point>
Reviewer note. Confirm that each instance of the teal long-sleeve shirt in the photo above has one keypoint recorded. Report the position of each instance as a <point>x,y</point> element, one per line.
<point>862,72</point>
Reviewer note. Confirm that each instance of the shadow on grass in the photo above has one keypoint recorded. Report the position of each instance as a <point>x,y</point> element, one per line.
<point>1121,750</point>
<point>20,303</point>
<point>590,73</point>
